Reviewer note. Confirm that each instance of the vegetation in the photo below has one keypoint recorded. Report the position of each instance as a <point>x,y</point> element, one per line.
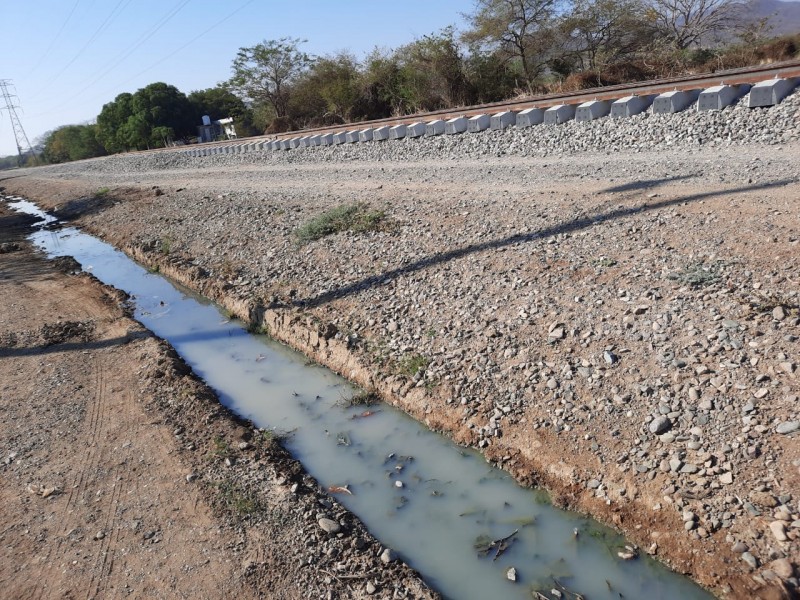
<point>347,217</point>
<point>411,364</point>
<point>507,48</point>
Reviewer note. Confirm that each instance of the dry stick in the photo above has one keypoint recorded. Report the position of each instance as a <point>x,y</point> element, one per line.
<point>348,577</point>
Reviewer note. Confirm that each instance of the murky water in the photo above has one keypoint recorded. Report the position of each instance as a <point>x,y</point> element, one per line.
<point>417,492</point>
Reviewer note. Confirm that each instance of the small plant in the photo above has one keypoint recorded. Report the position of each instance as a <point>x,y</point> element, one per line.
<point>154,269</point>
<point>363,398</point>
<point>604,262</point>
<point>356,217</point>
<point>411,364</point>
<point>766,302</point>
<point>221,447</point>
<point>697,275</point>
<point>239,500</point>
<point>166,246</point>
<point>258,329</point>
<point>102,192</point>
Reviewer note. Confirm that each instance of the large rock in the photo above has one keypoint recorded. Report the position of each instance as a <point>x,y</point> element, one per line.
<point>660,425</point>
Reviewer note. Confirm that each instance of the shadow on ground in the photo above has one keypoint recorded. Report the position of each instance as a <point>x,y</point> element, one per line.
<point>522,238</point>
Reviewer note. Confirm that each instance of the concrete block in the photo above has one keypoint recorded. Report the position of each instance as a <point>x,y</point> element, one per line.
<point>720,96</point>
<point>630,105</point>
<point>305,141</point>
<point>286,144</point>
<point>593,109</point>
<point>530,116</point>
<point>339,138</point>
<point>770,92</point>
<point>434,128</point>
<point>314,140</point>
<point>555,115</point>
<point>275,144</point>
<point>455,126</point>
<point>351,136</point>
<point>674,101</point>
<point>397,132</point>
<point>381,133</point>
<point>366,135</point>
<point>503,119</point>
<point>415,130</point>
<point>326,139</point>
<point>294,142</point>
<point>478,123</point>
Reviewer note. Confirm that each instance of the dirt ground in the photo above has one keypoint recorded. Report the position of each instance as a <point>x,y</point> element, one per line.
<point>112,486</point>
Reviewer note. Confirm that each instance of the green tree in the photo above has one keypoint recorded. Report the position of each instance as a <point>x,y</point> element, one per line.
<point>265,73</point>
<point>522,30</point>
<point>151,117</point>
<point>220,103</point>
<point>72,142</point>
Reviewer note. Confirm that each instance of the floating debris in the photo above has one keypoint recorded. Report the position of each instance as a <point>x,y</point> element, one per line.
<point>340,489</point>
<point>484,546</point>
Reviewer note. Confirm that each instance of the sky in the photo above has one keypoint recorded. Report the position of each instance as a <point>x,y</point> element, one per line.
<point>66,58</point>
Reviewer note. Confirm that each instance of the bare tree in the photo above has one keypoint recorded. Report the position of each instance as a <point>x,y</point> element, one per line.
<point>685,23</point>
<point>521,29</point>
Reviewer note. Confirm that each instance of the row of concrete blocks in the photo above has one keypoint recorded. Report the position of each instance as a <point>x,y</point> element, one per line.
<point>765,93</point>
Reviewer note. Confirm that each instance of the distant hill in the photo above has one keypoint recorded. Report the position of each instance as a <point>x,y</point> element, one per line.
<point>784,16</point>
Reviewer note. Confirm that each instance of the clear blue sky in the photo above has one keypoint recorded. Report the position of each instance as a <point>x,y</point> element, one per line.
<point>67,58</point>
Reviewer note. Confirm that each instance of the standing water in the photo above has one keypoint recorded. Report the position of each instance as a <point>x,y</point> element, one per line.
<point>438,505</point>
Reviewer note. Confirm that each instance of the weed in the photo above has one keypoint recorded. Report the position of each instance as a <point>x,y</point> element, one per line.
<point>102,192</point>
<point>363,398</point>
<point>411,364</point>
<point>273,435</point>
<point>221,447</point>
<point>431,333</point>
<point>239,500</point>
<point>166,246</point>
<point>604,262</point>
<point>766,302</point>
<point>258,329</point>
<point>356,217</point>
<point>154,269</point>
<point>698,274</point>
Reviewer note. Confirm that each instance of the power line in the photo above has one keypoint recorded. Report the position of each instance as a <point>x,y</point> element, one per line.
<point>155,64</point>
<point>20,137</point>
<point>54,40</point>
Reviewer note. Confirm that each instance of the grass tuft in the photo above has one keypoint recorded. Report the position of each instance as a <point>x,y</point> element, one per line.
<point>411,364</point>
<point>356,217</point>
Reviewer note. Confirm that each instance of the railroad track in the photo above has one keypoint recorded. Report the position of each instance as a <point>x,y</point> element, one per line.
<point>733,78</point>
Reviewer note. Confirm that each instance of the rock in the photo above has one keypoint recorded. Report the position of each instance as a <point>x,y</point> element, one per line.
<point>99,535</point>
<point>511,574</point>
<point>782,568</point>
<point>388,556</point>
<point>191,477</point>
<point>329,526</point>
<point>660,425</point>
<point>788,427</point>
<point>593,484</point>
<point>750,559</point>
<point>739,547</point>
<point>778,529</point>
<point>371,589</point>
<point>726,478</point>
<point>610,357</point>
<point>778,313</point>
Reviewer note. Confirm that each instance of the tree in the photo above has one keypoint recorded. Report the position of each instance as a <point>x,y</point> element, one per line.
<point>604,32</point>
<point>265,72</point>
<point>151,117</point>
<point>220,103</point>
<point>432,73</point>
<point>72,142</point>
<point>685,23</point>
<point>523,30</point>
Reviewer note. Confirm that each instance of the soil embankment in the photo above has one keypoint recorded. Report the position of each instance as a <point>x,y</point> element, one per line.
<point>124,476</point>
<point>621,329</point>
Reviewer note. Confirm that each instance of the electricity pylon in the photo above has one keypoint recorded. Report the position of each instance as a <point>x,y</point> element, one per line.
<point>19,133</point>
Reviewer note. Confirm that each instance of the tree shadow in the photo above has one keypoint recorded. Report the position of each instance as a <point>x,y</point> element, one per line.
<point>642,185</point>
<point>81,207</point>
<point>521,238</point>
<point>44,349</point>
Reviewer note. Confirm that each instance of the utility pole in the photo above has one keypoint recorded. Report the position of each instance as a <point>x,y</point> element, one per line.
<point>19,133</point>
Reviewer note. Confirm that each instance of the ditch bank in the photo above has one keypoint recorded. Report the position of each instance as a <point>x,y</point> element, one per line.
<point>626,372</point>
